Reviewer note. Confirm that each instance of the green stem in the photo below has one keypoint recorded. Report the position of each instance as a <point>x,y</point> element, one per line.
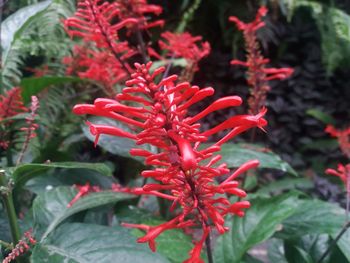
<point>6,245</point>
<point>188,15</point>
<point>6,195</point>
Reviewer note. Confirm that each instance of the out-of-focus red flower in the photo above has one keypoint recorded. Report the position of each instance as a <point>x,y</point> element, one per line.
<point>343,137</point>
<point>343,172</point>
<point>184,173</point>
<point>258,73</point>
<point>11,104</point>
<point>184,45</point>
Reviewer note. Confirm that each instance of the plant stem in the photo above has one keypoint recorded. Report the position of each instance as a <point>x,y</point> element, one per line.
<point>208,246</point>
<point>188,15</point>
<point>6,195</point>
<point>334,242</point>
<point>6,245</point>
<point>142,45</point>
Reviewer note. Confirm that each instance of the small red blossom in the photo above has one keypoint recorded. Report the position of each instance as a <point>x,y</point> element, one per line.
<point>159,117</point>
<point>343,137</point>
<point>343,172</point>
<point>258,73</point>
<point>82,191</point>
<point>22,247</point>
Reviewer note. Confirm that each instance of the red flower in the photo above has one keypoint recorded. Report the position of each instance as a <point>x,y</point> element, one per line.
<point>343,137</point>
<point>11,104</point>
<point>82,191</point>
<point>186,172</point>
<point>258,73</point>
<point>343,172</point>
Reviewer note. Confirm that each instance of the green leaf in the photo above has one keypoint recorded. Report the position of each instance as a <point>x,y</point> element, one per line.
<point>22,173</point>
<point>261,221</point>
<point>277,187</point>
<point>83,243</point>
<point>16,23</point>
<point>343,243</point>
<point>311,245</point>
<point>50,209</point>
<point>32,86</point>
<point>237,154</point>
<point>313,217</point>
<point>321,116</point>
<point>276,251</point>
<point>113,144</point>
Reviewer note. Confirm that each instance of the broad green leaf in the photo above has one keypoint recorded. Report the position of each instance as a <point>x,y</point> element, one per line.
<point>277,187</point>
<point>22,173</point>
<point>313,217</point>
<point>261,221</point>
<point>50,208</point>
<point>67,177</point>
<point>321,116</point>
<point>16,23</point>
<point>237,154</point>
<point>85,243</point>
<point>304,257</point>
<point>32,86</point>
<point>311,245</point>
<point>113,144</point>
<point>276,251</point>
<point>343,243</point>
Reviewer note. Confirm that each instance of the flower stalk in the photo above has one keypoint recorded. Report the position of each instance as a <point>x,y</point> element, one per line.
<point>6,194</point>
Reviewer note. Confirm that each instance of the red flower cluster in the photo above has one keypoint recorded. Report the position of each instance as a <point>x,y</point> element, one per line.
<point>11,104</point>
<point>104,56</point>
<point>185,173</point>
<point>343,173</point>
<point>22,247</point>
<point>258,73</point>
<point>343,137</point>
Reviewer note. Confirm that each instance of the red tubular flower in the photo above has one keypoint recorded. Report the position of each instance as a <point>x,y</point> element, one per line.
<point>343,137</point>
<point>258,73</point>
<point>343,172</point>
<point>82,191</point>
<point>187,174</point>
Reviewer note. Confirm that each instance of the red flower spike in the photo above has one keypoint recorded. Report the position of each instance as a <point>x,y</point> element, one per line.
<point>187,174</point>
<point>343,137</point>
<point>258,73</point>
<point>22,247</point>
<point>343,172</point>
